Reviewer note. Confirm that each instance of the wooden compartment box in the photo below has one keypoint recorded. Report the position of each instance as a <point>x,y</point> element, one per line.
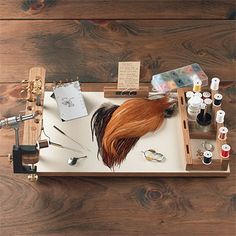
<point>193,138</point>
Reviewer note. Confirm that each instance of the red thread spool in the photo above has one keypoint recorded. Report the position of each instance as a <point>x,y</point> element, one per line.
<point>225,148</point>
<point>222,133</point>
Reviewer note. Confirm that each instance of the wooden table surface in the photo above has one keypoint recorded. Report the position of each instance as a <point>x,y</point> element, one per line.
<point>114,206</point>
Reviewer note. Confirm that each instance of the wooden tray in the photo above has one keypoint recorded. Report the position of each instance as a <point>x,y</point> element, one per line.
<point>192,135</point>
<point>169,140</point>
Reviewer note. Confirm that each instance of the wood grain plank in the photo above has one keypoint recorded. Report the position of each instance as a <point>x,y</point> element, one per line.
<point>92,50</point>
<point>119,9</point>
<point>115,206</point>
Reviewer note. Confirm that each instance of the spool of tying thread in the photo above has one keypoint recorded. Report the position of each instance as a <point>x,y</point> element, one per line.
<point>222,133</point>
<point>206,95</point>
<point>189,94</point>
<point>197,84</point>
<point>225,148</point>
<point>198,94</point>
<point>207,158</point>
<point>208,102</point>
<point>220,115</point>
<point>42,143</point>
<point>215,83</point>
<point>217,99</point>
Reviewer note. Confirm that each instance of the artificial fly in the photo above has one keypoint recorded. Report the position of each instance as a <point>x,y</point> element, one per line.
<point>118,128</point>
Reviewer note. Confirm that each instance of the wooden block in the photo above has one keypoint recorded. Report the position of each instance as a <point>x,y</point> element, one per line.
<point>185,127</point>
<point>224,164</point>
<point>32,128</point>
<point>198,165</point>
<point>114,92</point>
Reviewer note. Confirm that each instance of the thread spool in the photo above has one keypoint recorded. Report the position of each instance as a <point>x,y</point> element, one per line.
<point>197,85</point>
<point>198,94</point>
<point>206,95</point>
<point>222,133</point>
<point>215,83</point>
<point>208,101</point>
<point>220,115</point>
<point>217,99</point>
<point>189,94</point>
<point>225,149</point>
<point>42,143</point>
<point>207,158</point>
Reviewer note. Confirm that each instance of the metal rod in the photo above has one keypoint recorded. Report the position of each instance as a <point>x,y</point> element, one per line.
<point>17,136</point>
<point>62,132</point>
<point>61,146</point>
<point>38,100</point>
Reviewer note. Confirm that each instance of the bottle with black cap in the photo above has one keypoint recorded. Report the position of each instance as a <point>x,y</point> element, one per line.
<point>204,119</point>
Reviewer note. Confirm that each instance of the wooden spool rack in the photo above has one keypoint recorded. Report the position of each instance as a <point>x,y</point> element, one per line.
<point>189,132</point>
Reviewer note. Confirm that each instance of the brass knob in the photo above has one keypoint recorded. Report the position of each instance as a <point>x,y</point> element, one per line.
<point>24,81</point>
<point>33,177</point>
<point>10,158</point>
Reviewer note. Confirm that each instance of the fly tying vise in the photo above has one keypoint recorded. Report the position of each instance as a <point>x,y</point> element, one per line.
<point>118,128</point>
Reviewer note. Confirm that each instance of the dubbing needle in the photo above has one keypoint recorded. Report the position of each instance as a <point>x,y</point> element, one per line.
<point>61,146</point>
<point>62,132</point>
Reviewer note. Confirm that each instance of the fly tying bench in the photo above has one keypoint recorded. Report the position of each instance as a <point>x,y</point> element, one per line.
<point>198,147</point>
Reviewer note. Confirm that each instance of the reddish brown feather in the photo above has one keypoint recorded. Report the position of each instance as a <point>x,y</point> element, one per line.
<point>128,122</point>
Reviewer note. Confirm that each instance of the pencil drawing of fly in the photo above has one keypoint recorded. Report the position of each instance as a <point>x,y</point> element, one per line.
<point>67,102</point>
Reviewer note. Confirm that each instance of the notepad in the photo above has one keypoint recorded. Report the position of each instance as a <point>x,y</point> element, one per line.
<point>70,101</point>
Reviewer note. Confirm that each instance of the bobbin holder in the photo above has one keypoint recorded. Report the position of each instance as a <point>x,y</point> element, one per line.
<point>190,133</point>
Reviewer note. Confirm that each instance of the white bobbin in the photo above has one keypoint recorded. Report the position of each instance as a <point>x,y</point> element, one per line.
<point>220,115</point>
<point>206,95</point>
<point>198,94</point>
<point>208,101</point>
<point>215,83</point>
<point>189,94</point>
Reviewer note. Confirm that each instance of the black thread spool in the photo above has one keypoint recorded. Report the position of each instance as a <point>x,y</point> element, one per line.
<point>204,119</point>
<point>207,158</point>
<point>217,99</point>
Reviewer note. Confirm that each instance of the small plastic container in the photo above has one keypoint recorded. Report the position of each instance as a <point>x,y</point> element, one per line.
<point>194,107</point>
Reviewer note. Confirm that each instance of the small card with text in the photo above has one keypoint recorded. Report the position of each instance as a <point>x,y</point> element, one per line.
<point>128,75</point>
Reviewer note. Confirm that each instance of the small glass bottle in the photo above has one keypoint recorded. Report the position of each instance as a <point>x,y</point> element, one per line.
<point>194,107</point>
